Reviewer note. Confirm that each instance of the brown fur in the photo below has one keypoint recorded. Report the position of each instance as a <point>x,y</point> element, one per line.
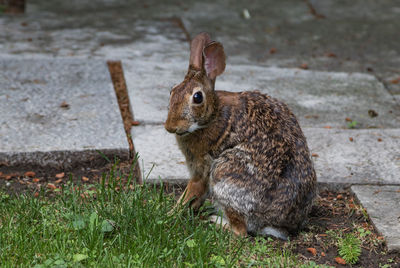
<point>249,149</point>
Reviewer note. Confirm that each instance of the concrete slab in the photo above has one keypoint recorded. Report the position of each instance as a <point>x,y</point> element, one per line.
<point>317,98</point>
<point>159,154</point>
<point>373,157</point>
<point>382,205</point>
<point>112,34</point>
<point>58,112</point>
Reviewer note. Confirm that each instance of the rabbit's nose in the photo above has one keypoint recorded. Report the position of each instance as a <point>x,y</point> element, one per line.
<point>169,128</point>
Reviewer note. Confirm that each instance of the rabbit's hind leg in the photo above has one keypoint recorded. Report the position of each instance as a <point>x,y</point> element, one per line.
<point>228,177</point>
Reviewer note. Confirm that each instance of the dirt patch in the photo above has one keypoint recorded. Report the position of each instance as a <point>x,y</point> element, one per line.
<point>337,214</point>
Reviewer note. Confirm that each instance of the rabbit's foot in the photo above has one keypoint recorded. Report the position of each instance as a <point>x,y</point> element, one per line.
<point>273,231</point>
<point>236,226</point>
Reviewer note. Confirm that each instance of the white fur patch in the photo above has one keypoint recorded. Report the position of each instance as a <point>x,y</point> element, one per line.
<point>219,220</point>
<point>271,231</point>
<point>238,198</point>
<point>194,127</point>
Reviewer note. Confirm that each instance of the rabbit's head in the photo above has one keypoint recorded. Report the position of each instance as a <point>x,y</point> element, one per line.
<point>193,102</point>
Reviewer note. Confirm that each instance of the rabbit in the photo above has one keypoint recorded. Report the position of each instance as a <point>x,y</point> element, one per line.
<point>246,149</point>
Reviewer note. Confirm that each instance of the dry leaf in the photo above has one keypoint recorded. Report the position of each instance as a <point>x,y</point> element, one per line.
<point>323,254</point>
<point>60,175</point>
<point>51,186</point>
<point>36,194</point>
<point>314,116</point>
<point>314,155</point>
<point>379,139</point>
<point>58,181</point>
<point>30,174</point>
<point>64,105</point>
<point>304,66</point>
<point>328,127</point>
<point>135,123</point>
<point>339,197</point>
<point>331,55</point>
<point>340,261</point>
<point>8,177</point>
<point>35,180</point>
<point>351,139</point>
<point>272,51</point>
<point>348,119</point>
<point>85,178</point>
<point>313,251</point>
<point>395,81</point>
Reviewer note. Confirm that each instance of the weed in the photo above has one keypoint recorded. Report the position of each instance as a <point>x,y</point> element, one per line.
<point>352,124</point>
<point>350,248</point>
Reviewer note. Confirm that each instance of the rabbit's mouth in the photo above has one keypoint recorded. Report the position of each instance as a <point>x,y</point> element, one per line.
<point>182,133</point>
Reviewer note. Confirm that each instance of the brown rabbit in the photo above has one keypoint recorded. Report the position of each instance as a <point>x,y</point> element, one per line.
<point>246,148</point>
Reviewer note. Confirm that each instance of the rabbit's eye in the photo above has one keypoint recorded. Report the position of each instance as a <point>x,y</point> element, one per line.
<point>198,97</point>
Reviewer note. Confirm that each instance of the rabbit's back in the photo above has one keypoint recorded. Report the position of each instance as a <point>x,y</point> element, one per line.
<point>262,167</point>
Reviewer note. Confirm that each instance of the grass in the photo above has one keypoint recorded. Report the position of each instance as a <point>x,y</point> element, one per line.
<point>114,224</point>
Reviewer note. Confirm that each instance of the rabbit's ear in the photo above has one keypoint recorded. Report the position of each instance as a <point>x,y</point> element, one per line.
<point>196,48</point>
<point>214,59</point>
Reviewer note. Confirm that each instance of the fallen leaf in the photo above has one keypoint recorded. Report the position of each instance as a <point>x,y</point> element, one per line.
<point>272,51</point>
<point>135,123</point>
<point>323,254</point>
<point>328,127</point>
<point>36,194</point>
<point>339,197</point>
<point>30,174</point>
<point>380,238</point>
<point>313,251</point>
<point>51,186</point>
<point>351,139</point>
<point>340,261</point>
<point>323,235</point>
<point>314,155</point>
<point>351,206</point>
<point>311,116</point>
<point>85,178</point>
<point>35,180</point>
<point>379,139</point>
<point>8,177</point>
<point>64,105</point>
<point>1,174</point>
<point>331,55</point>
<point>58,181</point>
<point>348,119</point>
<point>369,69</point>
<point>395,81</point>
<point>304,66</point>
<point>372,113</point>
<point>60,175</point>
<point>181,162</point>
